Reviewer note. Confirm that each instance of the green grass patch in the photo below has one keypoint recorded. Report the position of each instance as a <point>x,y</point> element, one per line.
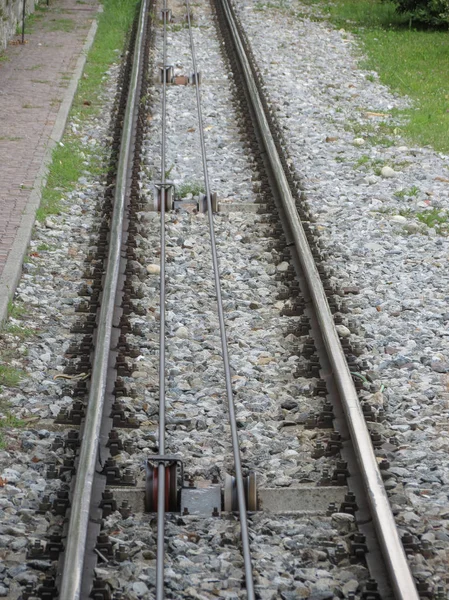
<point>32,19</point>
<point>113,25</point>
<point>270,4</point>
<point>15,310</point>
<point>66,25</point>
<point>193,187</point>
<point>374,163</point>
<point>380,133</point>
<point>432,218</point>
<point>66,168</point>
<point>43,247</point>
<point>407,193</point>
<point>8,421</point>
<point>10,376</point>
<point>174,27</point>
<point>68,160</point>
<point>410,61</point>
<point>17,330</point>
<point>363,160</point>
<point>377,165</point>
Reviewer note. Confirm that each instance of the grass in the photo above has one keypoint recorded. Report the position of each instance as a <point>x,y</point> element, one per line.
<point>32,19</point>
<point>266,5</point>
<point>168,172</point>
<point>407,193</point>
<point>113,24</point>
<point>363,160</point>
<point>9,421</point>
<point>377,163</point>
<point>174,27</point>
<point>15,310</point>
<point>17,330</point>
<point>194,187</point>
<point>66,25</point>
<point>66,168</point>
<point>68,160</point>
<point>411,61</point>
<point>10,376</point>
<point>381,133</point>
<point>432,218</point>
<point>43,247</point>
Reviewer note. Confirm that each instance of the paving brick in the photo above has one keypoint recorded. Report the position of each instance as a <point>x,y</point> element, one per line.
<point>28,108</point>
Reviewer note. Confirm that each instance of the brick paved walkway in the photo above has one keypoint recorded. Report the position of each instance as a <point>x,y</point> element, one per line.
<point>33,81</point>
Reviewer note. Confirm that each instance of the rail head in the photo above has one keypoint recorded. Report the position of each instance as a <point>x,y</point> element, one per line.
<point>399,571</point>
<point>74,555</point>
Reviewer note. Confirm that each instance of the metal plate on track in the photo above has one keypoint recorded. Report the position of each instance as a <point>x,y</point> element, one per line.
<point>201,501</point>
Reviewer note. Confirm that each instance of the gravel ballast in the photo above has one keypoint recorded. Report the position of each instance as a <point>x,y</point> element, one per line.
<point>366,195</point>
<point>367,190</point>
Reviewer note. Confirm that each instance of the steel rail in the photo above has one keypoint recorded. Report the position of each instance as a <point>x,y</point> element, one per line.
<point>249,581</point>
<point>161,491</point>
<point>393,552</point>
<point>88,460</point>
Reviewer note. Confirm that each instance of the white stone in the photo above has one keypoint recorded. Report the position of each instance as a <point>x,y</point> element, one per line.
<point>50,224</point>
<point>387,172</point>
<point>289,453</point>
<point>342,518</point>
<point>140,588</point>
<point>55,409</point>
<point>182,332</point>
<point>413,227</point>
<point>358,141</point>
<point>154,269</point>
<point>376,203</point>
<point>282,267</point>
<point>350,586</point>
<point>139,374</point>
<point>398,219</point>
<point>342,331</point>
<point>374,246</point>
<point>11,475</point>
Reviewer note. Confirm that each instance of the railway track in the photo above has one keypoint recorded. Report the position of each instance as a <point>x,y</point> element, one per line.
<point>166,487</point>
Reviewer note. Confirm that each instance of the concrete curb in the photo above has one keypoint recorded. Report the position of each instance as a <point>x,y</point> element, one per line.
<point>12,271</point>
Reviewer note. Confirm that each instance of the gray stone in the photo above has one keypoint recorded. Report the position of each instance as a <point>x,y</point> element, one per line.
<point>387,172</point>
<point>140,588</point>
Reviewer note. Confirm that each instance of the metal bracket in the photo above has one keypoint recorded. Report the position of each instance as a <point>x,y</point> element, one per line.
<point>167,71</point>
<point>194,77</point>
<point>168,187</point>
<point>167,459</point>
<point>172,463</point>
<point>202,204</point>
<point>181,203</point>
<point>168,15</point>
<point>180,80</point>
